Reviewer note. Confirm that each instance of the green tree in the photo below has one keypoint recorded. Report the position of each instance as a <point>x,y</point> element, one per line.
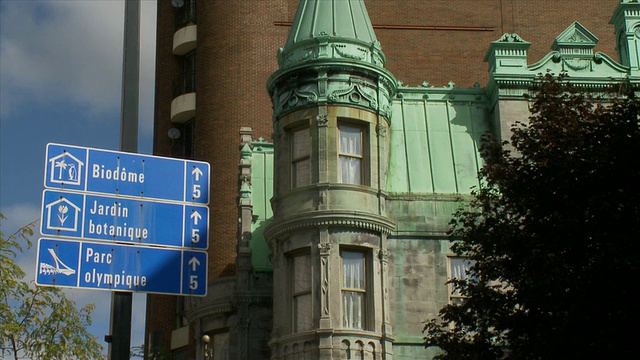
<point>553,235</point>
<point>138,352</point>
<point>39,322</point>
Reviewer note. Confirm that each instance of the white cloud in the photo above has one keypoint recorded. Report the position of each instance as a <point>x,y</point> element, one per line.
<point>63,50</point>
<point>19,215</point>
<point>69,53</point>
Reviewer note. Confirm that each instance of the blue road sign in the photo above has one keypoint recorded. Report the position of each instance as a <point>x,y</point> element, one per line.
<point>121,267</point>
<point>109,172</point>
<point>121,219</point>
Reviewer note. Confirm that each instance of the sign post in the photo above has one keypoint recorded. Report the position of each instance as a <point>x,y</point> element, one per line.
<point>123,222</point>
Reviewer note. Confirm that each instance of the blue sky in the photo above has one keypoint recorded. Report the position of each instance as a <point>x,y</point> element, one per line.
<point>60,81</point>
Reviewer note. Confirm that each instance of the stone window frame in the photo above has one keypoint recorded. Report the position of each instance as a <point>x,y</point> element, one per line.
<point>364,157</point>
<point>295,161</point>
<point>366,315</point>
<point>298,294</point>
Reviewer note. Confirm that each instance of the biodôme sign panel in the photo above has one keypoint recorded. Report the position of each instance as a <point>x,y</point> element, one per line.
<point>84,169</point>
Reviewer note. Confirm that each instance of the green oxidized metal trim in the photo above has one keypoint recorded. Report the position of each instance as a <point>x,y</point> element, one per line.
<point>331,56</point>
<point>512,77</point>
<point>343,83</point>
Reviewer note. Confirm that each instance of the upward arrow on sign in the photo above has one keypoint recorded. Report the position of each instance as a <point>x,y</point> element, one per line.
<point>194,263</point>
<point>196,216</point>
<point>197,172</point>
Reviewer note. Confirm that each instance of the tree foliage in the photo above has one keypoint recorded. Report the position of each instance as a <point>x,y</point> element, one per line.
<point>138,352</point>
<point>553,233</point>
<point>38,322</point>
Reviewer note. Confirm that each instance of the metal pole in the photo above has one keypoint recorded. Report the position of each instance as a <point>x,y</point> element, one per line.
<point>130,77</point>
<point>122,302</point>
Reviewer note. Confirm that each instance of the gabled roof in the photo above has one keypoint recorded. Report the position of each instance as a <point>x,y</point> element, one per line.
<point>575,40</point>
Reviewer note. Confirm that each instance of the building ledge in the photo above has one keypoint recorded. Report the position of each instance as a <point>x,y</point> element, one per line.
<point>183,108</point>
<point>185,39</point>
<point>179,337</point>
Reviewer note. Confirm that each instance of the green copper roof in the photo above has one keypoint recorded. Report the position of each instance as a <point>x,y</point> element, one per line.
<point>331,29</point>
<point>344,18</point>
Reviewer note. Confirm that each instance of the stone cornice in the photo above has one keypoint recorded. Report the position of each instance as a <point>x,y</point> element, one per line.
<point>207,310</point>
<point>427,197</point>
<point>339,218</point>
<point>475,94</point>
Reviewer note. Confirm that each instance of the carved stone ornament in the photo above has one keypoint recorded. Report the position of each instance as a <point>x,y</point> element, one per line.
<point>382,130</point>
<point>355,94</point>
<point>296,96</point>
<point>577,64</point>
<point>323,120</point>
<point>506,37</point>
<point>384,255</point>
<point>341,50</point>
<point>325,285</point>
<point>325,248</point>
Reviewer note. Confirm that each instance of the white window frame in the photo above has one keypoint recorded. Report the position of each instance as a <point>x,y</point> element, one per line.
<point>353,289</point>
<point>351,153</point>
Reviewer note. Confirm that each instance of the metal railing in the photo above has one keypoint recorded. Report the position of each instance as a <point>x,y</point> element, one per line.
<point>185,13</point>
<point>184,83</point>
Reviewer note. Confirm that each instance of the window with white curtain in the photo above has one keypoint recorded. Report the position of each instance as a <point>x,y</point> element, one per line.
<point>458,269</point>
<point>302,306</point>
<point>300,157</point>
<point>354,289</point>
<point>350,154</point>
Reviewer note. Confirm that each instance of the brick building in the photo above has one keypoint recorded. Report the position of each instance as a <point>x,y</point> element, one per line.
<point>410,85</point>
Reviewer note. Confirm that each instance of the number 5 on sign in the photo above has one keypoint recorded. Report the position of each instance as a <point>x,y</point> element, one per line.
<point>197,189</point>
<point>194,273</point>
<point>196,227</point>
